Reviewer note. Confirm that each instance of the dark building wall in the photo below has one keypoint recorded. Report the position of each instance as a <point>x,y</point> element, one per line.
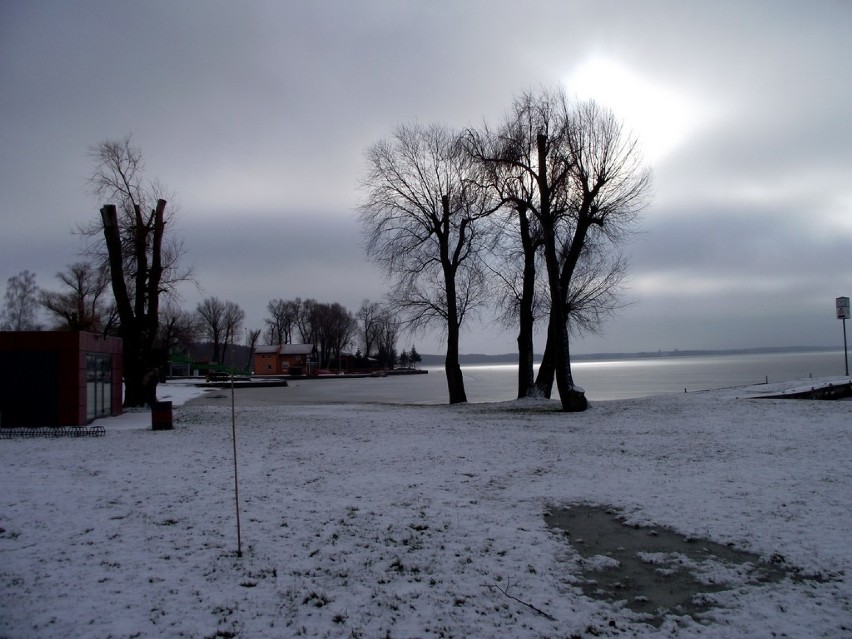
<point>24,378</point>
<point>43,376</point>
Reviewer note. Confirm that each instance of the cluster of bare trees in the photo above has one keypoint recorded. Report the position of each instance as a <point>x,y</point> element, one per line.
<point>219,322</point>
<point>379,328</point>
<point>538,204</point>
<point>83,305</point>
<point>373,331</point>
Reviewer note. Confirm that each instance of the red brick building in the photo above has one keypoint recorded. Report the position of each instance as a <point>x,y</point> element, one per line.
<point>284,359</point>
<point>58,378</point>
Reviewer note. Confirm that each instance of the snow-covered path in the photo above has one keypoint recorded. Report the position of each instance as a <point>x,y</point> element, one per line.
<point>374,521</point>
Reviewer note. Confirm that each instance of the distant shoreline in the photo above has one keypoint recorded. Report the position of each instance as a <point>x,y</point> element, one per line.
<point>512,358</point>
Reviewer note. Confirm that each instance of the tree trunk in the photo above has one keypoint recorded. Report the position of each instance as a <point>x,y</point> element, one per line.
<point>140,383</point>
<point>452,368</point>
<point>140,320</point>
<point>526,388</point>
<point>572,400</point>
<point>546,370</point>
<point>526,385</point>
<point>557,334</point>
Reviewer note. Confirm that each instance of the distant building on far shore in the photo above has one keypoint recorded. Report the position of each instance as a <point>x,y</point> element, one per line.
<point>284,359</point>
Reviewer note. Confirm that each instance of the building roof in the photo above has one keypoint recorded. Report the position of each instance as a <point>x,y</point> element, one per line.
<point>267,348</point>
<point>297,349</point>
<point>286,349</point>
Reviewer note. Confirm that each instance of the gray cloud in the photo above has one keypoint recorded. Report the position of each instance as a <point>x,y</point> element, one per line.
<point>257,114</point>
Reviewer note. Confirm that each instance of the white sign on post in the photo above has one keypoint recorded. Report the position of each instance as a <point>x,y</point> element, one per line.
<point>842,307</point>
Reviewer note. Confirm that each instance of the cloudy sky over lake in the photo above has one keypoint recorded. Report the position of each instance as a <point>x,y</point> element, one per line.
<point>257,115</point>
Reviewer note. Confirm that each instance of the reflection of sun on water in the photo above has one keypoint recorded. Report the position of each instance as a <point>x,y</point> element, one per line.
<point>660,117</point>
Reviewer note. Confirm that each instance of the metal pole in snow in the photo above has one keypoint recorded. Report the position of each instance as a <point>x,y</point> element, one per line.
<point>845,352</point>
<point>236,483</point>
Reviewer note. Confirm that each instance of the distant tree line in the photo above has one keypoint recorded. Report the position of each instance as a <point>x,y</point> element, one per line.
<point>84,304</point>
<point>371,333</point>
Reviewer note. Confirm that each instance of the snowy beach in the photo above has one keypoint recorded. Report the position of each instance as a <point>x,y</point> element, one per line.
<point>368,520</point>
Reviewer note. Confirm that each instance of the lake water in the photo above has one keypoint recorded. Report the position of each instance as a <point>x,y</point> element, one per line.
<point>621,379</point>
<point>602,380</point>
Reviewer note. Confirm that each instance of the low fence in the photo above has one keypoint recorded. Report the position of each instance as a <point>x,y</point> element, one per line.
<point>28,432</point>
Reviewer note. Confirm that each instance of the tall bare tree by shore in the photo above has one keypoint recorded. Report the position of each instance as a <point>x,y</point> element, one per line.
<point>574,183</point>
<point>421,219</point>
<point>608,188</point>
<point>528,166</point>
<point>505,156</point>
<point>143,258</point>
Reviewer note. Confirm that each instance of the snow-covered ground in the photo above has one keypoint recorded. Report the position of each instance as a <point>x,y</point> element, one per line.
<point>369,520</point>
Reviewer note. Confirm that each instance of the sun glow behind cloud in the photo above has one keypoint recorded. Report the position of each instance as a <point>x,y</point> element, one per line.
<point>661,118</point>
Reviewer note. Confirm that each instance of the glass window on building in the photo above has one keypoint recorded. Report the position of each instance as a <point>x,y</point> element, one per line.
<point>98,385</point>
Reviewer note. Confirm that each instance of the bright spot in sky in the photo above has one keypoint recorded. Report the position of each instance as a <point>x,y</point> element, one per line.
<point>659,116</point>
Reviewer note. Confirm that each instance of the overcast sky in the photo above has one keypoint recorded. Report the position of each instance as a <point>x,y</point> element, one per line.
<point>257,115</point>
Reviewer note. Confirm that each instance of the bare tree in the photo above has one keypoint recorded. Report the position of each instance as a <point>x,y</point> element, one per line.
<point>506,157</point>
<point>281,321</point>
<point>609,187</point>
<point>337,327</point>
<point>369,316</point>
<point>379,328</point>
<point>211,324</point>
<point>178,330</point>
<point>528,166</point>
<point>233,323</point>
<point>21,303</point>
<point>387,332</point>
<point>143,259</point>
<point>572,180</point>
<point>252,338</point>
<point>82,307</point>
<point>306,320</point>
<point>421,219</point>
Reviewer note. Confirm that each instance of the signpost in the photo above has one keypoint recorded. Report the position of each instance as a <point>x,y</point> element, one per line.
<point>236,483</point>
<point>843,314</point>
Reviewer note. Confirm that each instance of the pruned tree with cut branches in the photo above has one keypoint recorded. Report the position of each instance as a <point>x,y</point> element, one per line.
<point>132,238</point>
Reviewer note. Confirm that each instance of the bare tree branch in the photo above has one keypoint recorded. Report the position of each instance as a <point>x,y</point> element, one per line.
<point>505,592</point>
